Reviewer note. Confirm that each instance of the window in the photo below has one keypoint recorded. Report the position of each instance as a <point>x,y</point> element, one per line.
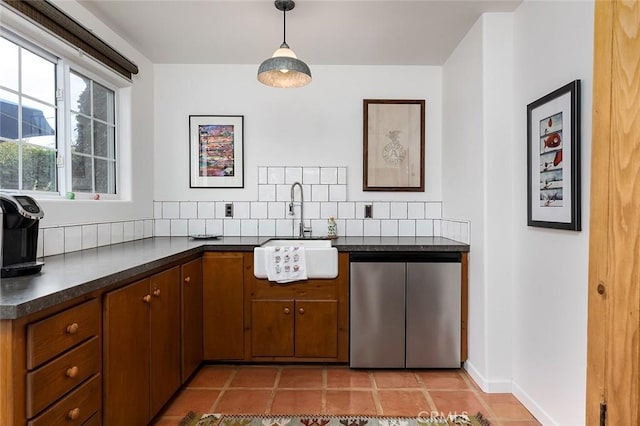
<point>67,137</point>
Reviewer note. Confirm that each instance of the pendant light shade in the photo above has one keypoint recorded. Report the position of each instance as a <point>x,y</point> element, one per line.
<point>284,69</point>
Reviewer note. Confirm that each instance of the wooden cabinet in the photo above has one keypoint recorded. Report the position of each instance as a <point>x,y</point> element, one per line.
<point>191,288</point>
<point>306,320</point>
<point>223,305</point>
<point>142,348</point>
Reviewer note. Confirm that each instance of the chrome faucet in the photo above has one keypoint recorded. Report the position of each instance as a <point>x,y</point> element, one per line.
<point>302,230</point>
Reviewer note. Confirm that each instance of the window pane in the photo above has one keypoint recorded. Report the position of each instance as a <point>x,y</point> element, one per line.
<point>38,77</point>
<point>9,64</point>
<point>38,123</point>
<point>80,134</point>
<point>82,173</point>
<point>80,96</point>
<point>38,169</point>
<point>104,140</point>
<point>103,103</point>
<point>9,115</point>
<point>105,176</point>
<point>8,165</point>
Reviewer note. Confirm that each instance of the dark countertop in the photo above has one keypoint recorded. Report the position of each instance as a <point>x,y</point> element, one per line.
<point>71,275</point>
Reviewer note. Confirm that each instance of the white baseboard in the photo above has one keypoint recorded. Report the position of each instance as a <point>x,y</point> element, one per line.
<point>488,386</point>
<point>533,407</point>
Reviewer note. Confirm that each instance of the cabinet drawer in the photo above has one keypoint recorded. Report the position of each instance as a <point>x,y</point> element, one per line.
<point>52,380</point>
<point>52,336</point>
<point>75,408</point>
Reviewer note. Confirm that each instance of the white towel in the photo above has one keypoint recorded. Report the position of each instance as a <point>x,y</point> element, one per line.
<point>286,264</point>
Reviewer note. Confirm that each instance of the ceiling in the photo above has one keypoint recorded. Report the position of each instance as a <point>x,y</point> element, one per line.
<point>321,32</point>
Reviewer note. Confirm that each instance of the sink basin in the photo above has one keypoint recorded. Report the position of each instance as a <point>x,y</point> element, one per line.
<point>321,257</point>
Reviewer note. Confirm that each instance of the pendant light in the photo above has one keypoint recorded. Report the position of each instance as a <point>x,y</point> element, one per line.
<point>284,69</point>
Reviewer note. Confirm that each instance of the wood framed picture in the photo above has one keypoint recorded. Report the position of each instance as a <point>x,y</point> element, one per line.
<point>553,159</point>
<point>393,154</point>
<point>216,157</point>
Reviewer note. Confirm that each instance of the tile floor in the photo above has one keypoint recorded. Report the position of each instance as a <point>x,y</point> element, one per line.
<point>294,389</point>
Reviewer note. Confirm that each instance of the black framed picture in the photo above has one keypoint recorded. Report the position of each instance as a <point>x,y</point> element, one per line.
<point>553,159</point>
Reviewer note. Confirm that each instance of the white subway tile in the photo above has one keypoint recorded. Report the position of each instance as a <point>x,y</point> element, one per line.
<point>407,228</point>
<point>188,210</point>
<point>148,229</point>
<point>342,226</point>
<point>170,210</point>
<point>342,175</point>
<point>312,210</point>
<point>89,236</point>
<point>371,228</point>
<point>128,230</point>
<point>328,210</point>
<point>157,210</point>
<point>276,210</point>
<point>39,243</point>
<point>266,227</point>
<point>311,175</point>
<point>231,228</point>
<point>284,227</point>
<point>433,211</point>
<point>415,210</point>
<point>319,193</point>
<point>266,192</point>
<point>104,234</point>
<point>219,210</point>
<point>398,210</point>
<point>275,175</point>
<point>360,209</point>
<point>346,210</point>
<point>138,230</point>
<point>318,228</point>
<point>329,175</point>
<point>354,227</point>
<point>338,192</point>
<point>381,210</point>
<point>424,227</point>
<point>53,241</point>
<point>389,228</point>
<point>436,228</point>
<point>262,175</point>
<point>72,238</point>
<point>249,227</point>
<point>241,210</point>
<point>179,227</point>
<point>465,237</point>
<point>292,174</point>
<point>214,226</point>
<point>117,232</point>
<point>283,193</point>
<point>259,210</point>
<point>206,210</point>
<point>162,228</point>
<point>197,226</point>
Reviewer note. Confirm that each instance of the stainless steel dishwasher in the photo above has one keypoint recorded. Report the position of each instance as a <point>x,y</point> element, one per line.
<point>405,310</point>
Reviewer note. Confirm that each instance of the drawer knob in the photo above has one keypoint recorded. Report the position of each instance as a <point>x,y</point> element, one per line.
<point>286,311</point>
<point>74,414</point>
<point>156,292</point>
<point>301,310</point>
<point>72,372</point>
<point>187,280</point>
<point>72,328</point>
<point>147,299</point>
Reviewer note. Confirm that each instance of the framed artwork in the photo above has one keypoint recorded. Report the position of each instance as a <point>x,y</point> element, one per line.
<point>216,151</point>
<point>393,154</point>
<point>553,159</point>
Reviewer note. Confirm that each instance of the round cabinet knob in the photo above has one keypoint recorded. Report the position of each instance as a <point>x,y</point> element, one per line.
<point>72,372</point>
<point>147,299</point>
<point>301,310</point>
<point>74,414</point>
<point>72,328</point>
<point>286,311</point>
<point>187,280</point>
<point>156,292</point>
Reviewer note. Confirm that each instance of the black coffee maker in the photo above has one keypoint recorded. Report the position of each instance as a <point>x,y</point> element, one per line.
<point>20,216</point>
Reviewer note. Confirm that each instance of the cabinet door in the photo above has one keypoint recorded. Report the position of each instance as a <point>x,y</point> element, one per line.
<point>316,328</point>
<point>272,327</point>
<point>191,317</point>
<point>165,338</point>
<point>223,311</point>
<point>126,355</point>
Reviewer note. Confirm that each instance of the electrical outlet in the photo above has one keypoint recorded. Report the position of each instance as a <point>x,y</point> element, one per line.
<point>228,210</point>
<point>368,211</point>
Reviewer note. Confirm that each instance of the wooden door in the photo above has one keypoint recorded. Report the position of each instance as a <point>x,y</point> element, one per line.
<point>613,356</point>
<point>272,325</point>
<point>223,312</point>
<point>191,280</point>
<point>126,355</point>
<point>316,328</point>
<point>164,360</point>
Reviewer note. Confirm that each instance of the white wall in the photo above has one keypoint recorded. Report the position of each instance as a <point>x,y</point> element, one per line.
<point>318,125</point>
<point>553,46</point>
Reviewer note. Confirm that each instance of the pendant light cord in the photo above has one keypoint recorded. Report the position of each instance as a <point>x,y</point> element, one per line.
<point>284,25</point>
